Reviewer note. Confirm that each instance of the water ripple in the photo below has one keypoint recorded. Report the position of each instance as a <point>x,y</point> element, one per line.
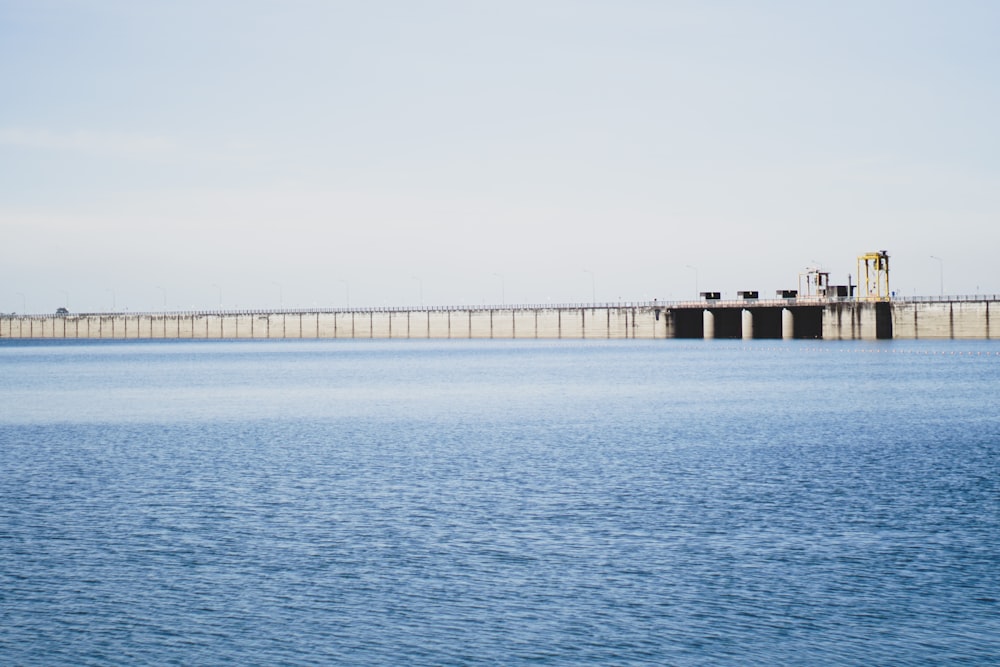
<point>605,504</point>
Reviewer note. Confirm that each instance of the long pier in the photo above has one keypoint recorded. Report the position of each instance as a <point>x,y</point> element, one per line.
<point>958,317</point>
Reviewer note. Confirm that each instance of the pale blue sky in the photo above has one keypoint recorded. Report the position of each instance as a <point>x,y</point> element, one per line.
<point>299,151</point>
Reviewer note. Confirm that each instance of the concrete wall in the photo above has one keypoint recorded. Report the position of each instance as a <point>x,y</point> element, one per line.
<point>510,322</point>
<point>846,320</point>
<point>951,319</point>
<point>850,320</point>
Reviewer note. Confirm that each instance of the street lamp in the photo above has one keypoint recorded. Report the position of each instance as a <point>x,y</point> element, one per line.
<point>695,269</point>
<point>503,296</point>
<point>593,286</point>
<point>281,294</point>
<point>940,272</point>
<point>420,284</point>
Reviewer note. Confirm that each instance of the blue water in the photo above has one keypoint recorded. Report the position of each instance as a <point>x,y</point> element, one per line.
<point>499,502</point>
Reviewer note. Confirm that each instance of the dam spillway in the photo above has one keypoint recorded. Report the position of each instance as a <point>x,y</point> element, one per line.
<point>962,317</point>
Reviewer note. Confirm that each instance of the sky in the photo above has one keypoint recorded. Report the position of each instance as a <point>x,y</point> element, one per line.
<point>317,153</point>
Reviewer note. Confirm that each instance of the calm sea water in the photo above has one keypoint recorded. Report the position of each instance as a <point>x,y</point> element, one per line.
<point>463,502</point>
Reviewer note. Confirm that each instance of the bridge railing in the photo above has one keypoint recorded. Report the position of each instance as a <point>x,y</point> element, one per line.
<point>947,299</point>
<point>656,303</point>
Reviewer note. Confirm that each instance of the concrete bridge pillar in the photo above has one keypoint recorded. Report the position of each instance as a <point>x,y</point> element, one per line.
<point>708,321</point>
<point>787,324</point>
<point>747,325</point>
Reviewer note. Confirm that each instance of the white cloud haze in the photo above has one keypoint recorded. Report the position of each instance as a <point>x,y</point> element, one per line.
<point>311,152</point>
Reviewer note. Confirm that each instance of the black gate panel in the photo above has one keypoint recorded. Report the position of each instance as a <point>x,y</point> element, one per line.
<point>728,322</point>
<point>766,322</point>
<point>689,323</point>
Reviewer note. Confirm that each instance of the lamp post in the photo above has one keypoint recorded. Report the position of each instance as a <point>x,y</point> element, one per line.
<point>420,284</point>
<point>281,294</point>
<point>695,269</point>
<point>503,296</point>
<point>940,273</point>
<point>220,294</point>
<point>593,286</point>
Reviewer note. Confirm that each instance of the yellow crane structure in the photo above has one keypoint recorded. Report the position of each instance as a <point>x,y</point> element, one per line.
<point>873,276</point>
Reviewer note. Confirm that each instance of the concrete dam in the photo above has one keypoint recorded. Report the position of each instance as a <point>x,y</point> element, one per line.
<point>827,318</point>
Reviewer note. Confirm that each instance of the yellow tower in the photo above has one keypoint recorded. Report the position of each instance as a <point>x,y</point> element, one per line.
<point>873,276</point>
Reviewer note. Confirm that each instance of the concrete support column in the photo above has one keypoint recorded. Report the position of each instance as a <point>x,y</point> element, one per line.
<point>787,324</point>
<point>708,321</point>
<point>747,325</point>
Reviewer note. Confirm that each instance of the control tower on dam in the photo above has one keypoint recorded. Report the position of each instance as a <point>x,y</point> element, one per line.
<point>746,317</point>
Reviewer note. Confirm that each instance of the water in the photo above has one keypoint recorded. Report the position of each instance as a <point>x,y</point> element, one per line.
<point>511,502</point>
